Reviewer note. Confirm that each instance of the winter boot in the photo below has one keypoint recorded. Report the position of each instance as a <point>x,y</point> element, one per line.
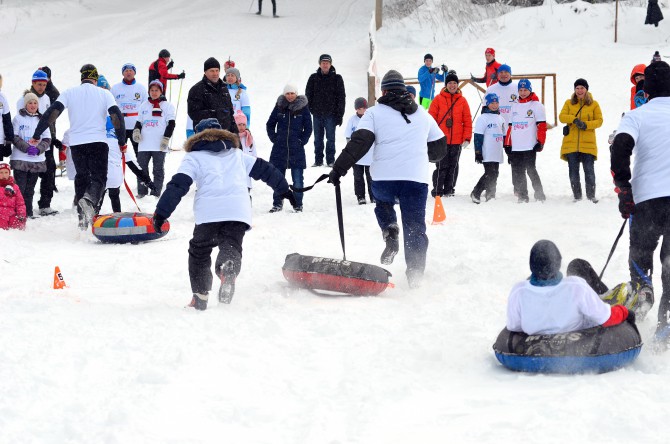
<point>414,278</point>
<point>576,191</point>
<point>390,236</point>
<point>227,288</point>
<point>48,211</point>
<point>276,208</point>
<point>362,201</point>
<point>474,198</point>
<point>87,211</point>
<point>199,301</point>
<point>643,300</point>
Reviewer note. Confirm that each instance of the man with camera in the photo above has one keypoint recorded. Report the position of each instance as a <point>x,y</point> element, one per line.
<point>209,98</point>
<point>427,78</point>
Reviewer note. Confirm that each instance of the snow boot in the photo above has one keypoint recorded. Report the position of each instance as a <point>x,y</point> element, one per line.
<point>48,211</point>
<point>661,341</point>
<point>227,288</point>
<point>87,211</point>
<point>390,236</point>
<point>199,301</point>
<point>474,198</point>
<point>276,208</point>
<point>362,201</point>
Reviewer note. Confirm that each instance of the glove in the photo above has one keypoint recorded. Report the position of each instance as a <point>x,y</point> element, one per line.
<point>6,149</point>
<point>170,65</point>
<point>33,151</point>
<point>339,121</point>
<point>610,139</point>
<point>58,144</point>
<point>137,135</point>
<point>444,68</point>
<point>626,202</point>
<point>182,75</point>
<point>479,158</point>
<point>465,144</point>
<point>433,70</point>
<point>508,149</point>
<point>157,221</point>
<point>123,148</point>
<point>631,316</point>
<point>62,154</point>
<point>290,197</point>
<point>9,190</point>
<point>334,177</point>
<point>165,143</point>
<point>538,147</point>
<point>149,184</point>
<point>579,124</point>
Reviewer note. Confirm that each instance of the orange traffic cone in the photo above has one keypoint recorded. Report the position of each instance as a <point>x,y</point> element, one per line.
<point>59,282</point>
<point>438,213</point>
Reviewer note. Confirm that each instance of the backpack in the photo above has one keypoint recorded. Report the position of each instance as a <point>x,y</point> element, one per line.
<point>153,73</point>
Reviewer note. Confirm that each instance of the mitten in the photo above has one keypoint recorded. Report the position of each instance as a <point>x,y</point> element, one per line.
<point>465,144</point>
<point>165,143</point>
<point>444,68</point>
<point>339,121</point>
<point>508,149</point>
<point>479,158</point>
<point>182,75</point>
<point>611,137</point>
<point>157,221</point>
<point>9,190</point>
<point>6,149</point>
<point>58,144</point>
<point>170,65</point>
<point>334,177</point>
<point>137,135</point>
<point>62,154</point>
<point>33,151</point>
<point>123,148</point>
<point>290,197</point>
<point>626,202</point>
<point>538,147</point>
<point>579,124</point>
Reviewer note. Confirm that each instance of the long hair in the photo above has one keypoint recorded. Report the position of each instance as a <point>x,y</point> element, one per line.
<point>588,100</point>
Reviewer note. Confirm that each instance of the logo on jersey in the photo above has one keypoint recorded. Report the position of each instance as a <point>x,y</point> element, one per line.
<point>513,97</point>
<point>529,113</point>
<point>137,96</point>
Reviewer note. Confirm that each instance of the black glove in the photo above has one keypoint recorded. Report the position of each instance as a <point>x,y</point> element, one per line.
<point>626,202</point>
<point>149,184</point>
<point>290,197</point>
<point>433,70</point>
<point>339,121</point>
<point>157,221</point>
<point>170,65</point>
<point>6,149</point>
<point>334,177</point>
<point>479,158</point>
<point>538,147</point>
<point>631,316</point>
<point>508,149</point>
<point>444,68</point>
<point>182,75</point>
<point>58,144</point>
<point>579,124</point>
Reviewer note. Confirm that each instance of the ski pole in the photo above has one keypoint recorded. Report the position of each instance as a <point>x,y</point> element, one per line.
<point>480,100</point>
<point>251,4</point>
<point>616,241</point>
<point>181,82</point>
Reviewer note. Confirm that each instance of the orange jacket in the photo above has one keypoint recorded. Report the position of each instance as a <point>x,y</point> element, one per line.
<point>461,129</point>
<point>637,69</point>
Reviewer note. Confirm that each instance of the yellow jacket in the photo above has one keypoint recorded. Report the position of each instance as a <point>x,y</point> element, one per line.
<point>582,141</point>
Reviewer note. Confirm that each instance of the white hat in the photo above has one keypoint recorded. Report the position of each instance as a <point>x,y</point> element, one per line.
<point>290,88</point>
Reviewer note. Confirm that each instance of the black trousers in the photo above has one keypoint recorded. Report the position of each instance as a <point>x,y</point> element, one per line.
<point>488,181</point>
<point>90,161</point>
<point>523,162</point>
<point>446,172</point>
<point>651,221</point>
<point>26,182</point>
<point>48,180</point>
<point>274,6</point>
<point>361,175</point>
<point>129,135</point>
<point>228,237</point>
<point>114,199</point>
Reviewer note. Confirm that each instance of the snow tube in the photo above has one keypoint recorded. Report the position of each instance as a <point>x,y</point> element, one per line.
<point>320,273</point>
<point>122,228</point>
<point>593,350</point>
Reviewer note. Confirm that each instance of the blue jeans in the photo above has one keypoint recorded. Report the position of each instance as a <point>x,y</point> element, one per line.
<point>589,174</point>
<point>297,177</point>
<point>412,198</point>
<point>321,124</point>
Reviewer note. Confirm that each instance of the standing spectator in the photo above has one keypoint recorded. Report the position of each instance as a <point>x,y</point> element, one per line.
<point>209,98</point>
<point>507,91</point>
<point>491,74</point>
<point>6,129</point>
<point>12,207</point>
<point>53,94</point>
<point>636,75</point>
<point>582,116</point>
<point>289,128</point>
<point>238,93</point>
<point>452,114</point>
<point>526,134</point>
<point>427,78</point>
<point>129,95</point>
<point>88,107</point>
<point>654,14</point>
<point>489,136</point>
<point>326,97</point>
<point>405,140</point>
<point>274,8</point>
<point>159,69</point>
<point>51,90</point>
<point>362,167</point>
<point>645,130</point>
<point>246,139</point>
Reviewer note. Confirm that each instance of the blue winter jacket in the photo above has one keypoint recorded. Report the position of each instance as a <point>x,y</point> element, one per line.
<point>427,82</point>
<point>289,128</point>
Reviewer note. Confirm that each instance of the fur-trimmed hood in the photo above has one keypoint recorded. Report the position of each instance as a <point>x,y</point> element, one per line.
<point>298,104</point>
<point>212,140</point>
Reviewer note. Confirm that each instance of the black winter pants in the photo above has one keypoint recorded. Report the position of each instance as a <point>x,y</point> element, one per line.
<point>158,160</point>
<point>228,237</point>
<point>114,199</point>
<point>651,221</point>
<point>488,181</point>
<point>523,162</point>
<point>26,182</point>
<point>361,175</point>
<point>90,161</point>
<point>446,172</point>
<point>274,6</point>
<point>47,180</point>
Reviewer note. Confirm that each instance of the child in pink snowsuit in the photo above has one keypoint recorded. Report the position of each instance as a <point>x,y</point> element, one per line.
<point>12,207</point>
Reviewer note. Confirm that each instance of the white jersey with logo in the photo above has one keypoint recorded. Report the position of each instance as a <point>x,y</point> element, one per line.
<point>649,126</point>
<point>24,127</point>
<point>43,104</point>
<point>507,95</point>
<point>129,98</point>
<point>525,117</point>
<point>115,158</point>
<point>154,122</point>
<point>239,102</point>
<point>569,306</point>
<point>492,127</point>
<point>401,148</point>
<point>87,107</point>
<point>4,109</point>
<point>221,184</point>
<point>352,124</point>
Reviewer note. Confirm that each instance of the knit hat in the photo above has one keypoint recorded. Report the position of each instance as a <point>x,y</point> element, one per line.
<point>89,72</point>
<point>582,82</point>
<point>545,260</point>
<point>490,98</point>
<point>290,88</point>
<point>5,166</point>
<point>228,64</point>
<point>656,57</point>
<point>428,56</point>
<point>240,117</point>
<point>30,97</point>
<point>490,51</point>
<point>451,77</point>
<point>411,90</point>
<point>164,53</point>
<point>657,80</point>
<point>393,80</point>
<point>128,66</point>
<point>40,76</point>
<point>325,58</point>
<point>103,83</point>
<point>525,83</point>
<point>210,123</point>
<point>47,70</point>
<point>235,72</point>
<point>157,83</point>
<point>504,67</point>
<point>360,103</point>
<point>212,63</point>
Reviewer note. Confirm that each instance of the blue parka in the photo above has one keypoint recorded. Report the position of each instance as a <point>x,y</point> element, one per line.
<point>289,128</point>
<point>427,82</point>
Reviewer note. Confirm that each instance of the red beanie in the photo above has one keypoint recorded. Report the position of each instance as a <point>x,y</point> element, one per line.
<point>5,166</point>
<point>490,51</point>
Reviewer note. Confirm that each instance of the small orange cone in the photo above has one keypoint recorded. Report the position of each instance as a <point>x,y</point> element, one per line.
<point>59,282</point>
<point>438,213</point>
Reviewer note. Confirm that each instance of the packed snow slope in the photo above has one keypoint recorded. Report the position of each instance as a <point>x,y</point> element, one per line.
<point>115,358</point>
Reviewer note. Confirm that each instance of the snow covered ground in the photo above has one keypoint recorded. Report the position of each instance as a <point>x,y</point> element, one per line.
<point>114,358</point>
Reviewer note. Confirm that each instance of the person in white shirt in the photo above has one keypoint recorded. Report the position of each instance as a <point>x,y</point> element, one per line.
<point>129,95</point>
<point>238,93</point>
<point>406,139</point>
<point>507,91</point>
<point>489,136</point>
<point>362,167</point>
<point>645,194</point>
<point>88,107</point>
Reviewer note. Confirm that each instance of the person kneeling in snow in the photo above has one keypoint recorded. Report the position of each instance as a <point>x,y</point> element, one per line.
<point>548,303</point>
<point>222,207</point>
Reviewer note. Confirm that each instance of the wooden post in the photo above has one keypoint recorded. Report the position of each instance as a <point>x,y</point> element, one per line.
<point>371,90</point>
<point>543,89</point>
<point>378,14</point>
<point>555,104</point>
<point>616,20</point>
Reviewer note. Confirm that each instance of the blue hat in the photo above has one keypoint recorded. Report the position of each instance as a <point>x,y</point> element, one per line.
<point>525,83</point>
<point>40,76</point>
<point>128,66</point>
<point>103,83</point>
<point>411,90</point>
<point>505,68</point>
<point>210,123</point>
<point>490,98</point>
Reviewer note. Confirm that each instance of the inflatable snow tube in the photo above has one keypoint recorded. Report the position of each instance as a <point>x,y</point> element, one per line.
<point>594,350</point>
<point>122,228</point>
<point>320,273</point>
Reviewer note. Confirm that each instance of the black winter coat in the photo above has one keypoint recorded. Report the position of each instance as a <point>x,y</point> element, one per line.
<point>325,94</point>
<point>211,100</point>
<point>654,14</point>
<point>289,128</point>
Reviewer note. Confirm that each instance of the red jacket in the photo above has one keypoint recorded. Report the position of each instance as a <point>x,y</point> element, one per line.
<point>163,73</point>
<point>491,75</point>
<point>12,206</point>
<point>441,110</point>
<point>637,69</point>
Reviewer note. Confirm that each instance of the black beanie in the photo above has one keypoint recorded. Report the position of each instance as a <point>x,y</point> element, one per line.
<point>451,78</point>
<point>47,70</point>
<point>428,56</point>
<point>89,72</point>
<point>212,63</point>
<point>545,260</point>
<point>393,80</point>
<point>583,83</point>
<point>657,80</point>
<point>325,58</point>
<point>164,53</point>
